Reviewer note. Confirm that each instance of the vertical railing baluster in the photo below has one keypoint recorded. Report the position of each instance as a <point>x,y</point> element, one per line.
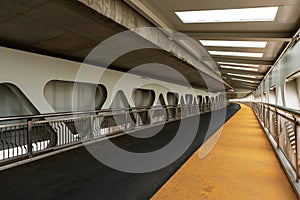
<point>296,143</point>
<point>91,127</point>
<point>29,138</point>
<point>276,128</point>
<point>126,120</point>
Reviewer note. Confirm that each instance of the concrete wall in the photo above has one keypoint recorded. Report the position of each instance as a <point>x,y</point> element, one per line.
<point>287,94</point>
<point>32,73</point>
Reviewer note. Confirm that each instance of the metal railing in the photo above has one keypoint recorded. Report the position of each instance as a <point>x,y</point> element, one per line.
<point>24,136</point>
<point>283,124</point>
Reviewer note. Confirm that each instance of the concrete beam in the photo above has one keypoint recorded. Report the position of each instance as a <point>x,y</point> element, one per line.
<point>241,86</point>
<point>245,87</point>
<point>154,17</point>
<point>237,83</point>
<point>255,36</point>
<point>236,49</point>
<point>120,12</point>
<point>243,60</point>
<point>236,71</point>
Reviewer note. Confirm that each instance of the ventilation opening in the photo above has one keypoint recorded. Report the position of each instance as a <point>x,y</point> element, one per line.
<point>200,102</point>
<point>200,99</point>
<point>14,103</point>
<point>143,98</point>
<point>65,96</point>
<point>272,95</point>
<point>189,99</point>
<point>159,114</point>
<point>172,101</point>
<point>115,123</point>
<point>292,91</point>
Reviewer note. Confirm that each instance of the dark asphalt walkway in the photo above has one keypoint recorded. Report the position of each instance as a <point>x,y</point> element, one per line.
<point>76,174</point>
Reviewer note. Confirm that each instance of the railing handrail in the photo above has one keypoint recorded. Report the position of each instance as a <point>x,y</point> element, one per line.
<point>271,117</point>
<point>287,110</point>
<point>61,114</point>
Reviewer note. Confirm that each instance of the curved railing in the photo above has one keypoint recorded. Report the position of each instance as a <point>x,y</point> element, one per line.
<point>25,136</point>
<point>283,124</point>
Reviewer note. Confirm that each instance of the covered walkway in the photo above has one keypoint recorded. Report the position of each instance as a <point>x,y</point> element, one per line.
<point>76,174</point>
<point>242,165</point>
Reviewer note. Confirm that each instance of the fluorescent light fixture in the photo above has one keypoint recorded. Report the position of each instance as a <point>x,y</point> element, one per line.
<point>239,68</point>
<point>248,81</point>
<point>230,53</point>
<point>238,64</point>
<point>229,15</point>
<point>241,75</point>
<point>225,43</point>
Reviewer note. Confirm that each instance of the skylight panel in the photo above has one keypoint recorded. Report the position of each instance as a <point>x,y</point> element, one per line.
<point>229,15</point>
<point>241,75</point>
<point>238,64</point>
<point>243,54</point>
<point>243,80</point>
<point>227,43</point>
<point>239,68</point>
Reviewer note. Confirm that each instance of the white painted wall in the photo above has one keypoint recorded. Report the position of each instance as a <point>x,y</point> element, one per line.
<point>31,72</point>
<point>287,65</point>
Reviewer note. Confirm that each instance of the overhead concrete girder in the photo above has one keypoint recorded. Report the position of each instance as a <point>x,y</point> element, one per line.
<point>236,71</point>
<point>256,81</point>
<point>237,83</point>
<point>236,49</point>
<point>254,36</point>
<point>121,13</point>
<point>243,60</point>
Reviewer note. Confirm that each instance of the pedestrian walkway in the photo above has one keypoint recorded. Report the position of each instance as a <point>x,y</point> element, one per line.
<point>242,165</point>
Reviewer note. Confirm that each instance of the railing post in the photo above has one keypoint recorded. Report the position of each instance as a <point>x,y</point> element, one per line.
<point>296,143</point>
<point>91,127</point>
<point>29,138</point>
<point>263,115</point>
<point>276,128</point>
<point>268,118</point>
<point>137,119</point>
<point>126,120</point>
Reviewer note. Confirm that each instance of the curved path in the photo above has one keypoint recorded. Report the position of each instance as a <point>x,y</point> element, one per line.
<point>76,174</point>
<point>242,165</point>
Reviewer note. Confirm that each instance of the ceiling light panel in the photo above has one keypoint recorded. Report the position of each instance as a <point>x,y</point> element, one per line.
<point>231,53</point>
<point>225,43</point>
<point>238,64</point>
<point>239,68</point>
<point>241,75</point>
<point>229,15</point>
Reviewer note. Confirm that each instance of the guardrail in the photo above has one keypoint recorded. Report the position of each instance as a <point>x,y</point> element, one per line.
<point>283,124</point>
<point>24,136</point>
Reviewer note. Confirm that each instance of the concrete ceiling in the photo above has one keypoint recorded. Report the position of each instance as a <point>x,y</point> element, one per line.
<point>278,33</point>
<point>70,30</point>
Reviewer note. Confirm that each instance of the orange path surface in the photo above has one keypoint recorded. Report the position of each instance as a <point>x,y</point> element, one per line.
<point>242,165</point>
